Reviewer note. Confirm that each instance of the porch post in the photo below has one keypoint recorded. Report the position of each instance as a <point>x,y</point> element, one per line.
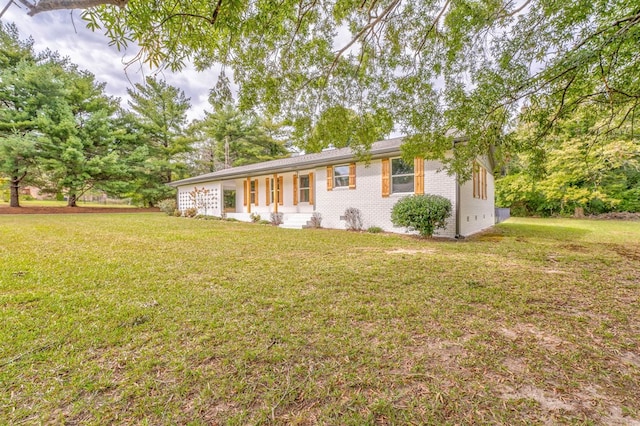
<point>276,192</point>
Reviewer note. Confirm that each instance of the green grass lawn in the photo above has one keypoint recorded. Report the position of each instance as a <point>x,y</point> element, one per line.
<point>149,319</point>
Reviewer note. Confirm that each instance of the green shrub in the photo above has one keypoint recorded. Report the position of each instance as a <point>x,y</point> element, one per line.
<point>422,213</point>
<point>255,218</point>
<point>374,230</point>
<point>168,206</point>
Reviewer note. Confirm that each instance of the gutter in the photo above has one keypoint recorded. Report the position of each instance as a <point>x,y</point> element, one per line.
<point>281,168</point>
<point>458,217</point>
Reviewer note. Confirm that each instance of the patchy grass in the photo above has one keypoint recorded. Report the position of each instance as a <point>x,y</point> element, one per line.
<point>157,320</point>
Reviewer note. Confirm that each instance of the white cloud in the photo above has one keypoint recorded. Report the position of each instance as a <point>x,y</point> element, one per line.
<point>66,33</point>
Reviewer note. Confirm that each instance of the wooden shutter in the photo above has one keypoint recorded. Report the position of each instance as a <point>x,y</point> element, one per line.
<point>311,188</point>
<point>295,190</point>
<point>352,176</point>
<point>268,190</point>
<point>244,193</point>
<point>475,180</point>
<point>281,190</point>
<point>329,178</point>
<point>247,194</point>
<point>418,170</point>
<point>255,182</point>
<point>484,183</point>
<point>386,172</point>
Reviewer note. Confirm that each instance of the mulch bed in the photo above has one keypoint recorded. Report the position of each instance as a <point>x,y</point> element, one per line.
<point>68,210</point>
<point>616,216</point>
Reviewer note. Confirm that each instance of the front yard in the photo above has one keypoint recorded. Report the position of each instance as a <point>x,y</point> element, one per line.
<point>144,318</point>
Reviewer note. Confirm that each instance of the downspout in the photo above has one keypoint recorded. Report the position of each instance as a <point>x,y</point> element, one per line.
<point>458,236</point>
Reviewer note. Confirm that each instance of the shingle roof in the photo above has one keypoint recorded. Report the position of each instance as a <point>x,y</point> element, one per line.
<point>389,146</point>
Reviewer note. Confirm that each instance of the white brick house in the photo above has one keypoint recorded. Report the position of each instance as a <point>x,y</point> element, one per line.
<point>331,181</point>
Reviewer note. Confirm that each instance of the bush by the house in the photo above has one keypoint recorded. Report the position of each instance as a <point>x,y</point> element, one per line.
<point>277,218</point>
<point>190,212</point>
<point>422,213</point>
<point>255,218</point>
<point>167,206</point>
<point>374,230</point>
<point>353,217</point>
<point>316,220</point>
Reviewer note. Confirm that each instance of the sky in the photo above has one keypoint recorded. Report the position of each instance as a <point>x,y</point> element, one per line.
<point>65,32</point>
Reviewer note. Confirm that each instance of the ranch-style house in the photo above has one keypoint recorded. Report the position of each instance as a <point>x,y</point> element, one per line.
<point>333,180</point>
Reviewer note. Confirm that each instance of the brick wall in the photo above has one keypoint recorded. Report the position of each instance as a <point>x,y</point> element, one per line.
<point>477,214</point>
<point>367,197</point>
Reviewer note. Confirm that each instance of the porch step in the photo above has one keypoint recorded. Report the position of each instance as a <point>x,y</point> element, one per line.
<point>296,220</point>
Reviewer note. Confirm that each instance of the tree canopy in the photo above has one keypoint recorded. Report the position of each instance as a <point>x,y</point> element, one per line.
<point>61,133</point>
<point>440,68</point>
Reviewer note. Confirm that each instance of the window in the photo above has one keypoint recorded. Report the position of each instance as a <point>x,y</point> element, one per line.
<point>254,192</point>
<point>273,193</point>
<point>229,196</point>
<point>479,182</point>
<point>304,188</point>
<point>279,183</point>
<point>401,176</point>
<point>341,176</point>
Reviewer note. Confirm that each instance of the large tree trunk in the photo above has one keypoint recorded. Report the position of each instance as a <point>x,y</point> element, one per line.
<point>15,192</point>
<point>71,201</point>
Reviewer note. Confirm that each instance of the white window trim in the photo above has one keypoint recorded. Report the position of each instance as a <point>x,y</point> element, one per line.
<point>335,186</point>
<point>391,176</point>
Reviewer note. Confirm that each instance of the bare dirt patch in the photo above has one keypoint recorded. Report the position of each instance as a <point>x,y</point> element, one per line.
<point>410,251</point>
<point>74,210</point>
<point>547,402</point>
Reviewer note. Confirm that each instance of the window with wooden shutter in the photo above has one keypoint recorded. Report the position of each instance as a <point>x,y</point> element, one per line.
<point>418,166</point>
<point>352,176</point>
<point>311,188</point>
<point>295,190</point>
<point>267,189</point>
<point>479,181</point>
<point>402,176</point>
<point>304,190</point>
<point>386,172</point>
<point>281,190</point>
<point>329,178</point>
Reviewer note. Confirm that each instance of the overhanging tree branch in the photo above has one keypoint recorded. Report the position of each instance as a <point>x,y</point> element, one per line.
<point>49,5</point>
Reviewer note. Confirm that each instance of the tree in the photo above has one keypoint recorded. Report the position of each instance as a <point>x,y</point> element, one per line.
<point>78,143</point>
<point>440,68</point>
<point>17,158</point>
<point>232,138</point>
<point>161,111</point>
<point>29,85</point>
<point>578,165</point>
